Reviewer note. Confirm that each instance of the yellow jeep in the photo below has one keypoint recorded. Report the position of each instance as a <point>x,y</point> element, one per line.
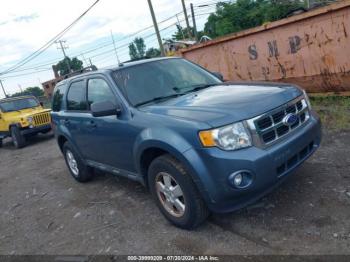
<point>22,117</point>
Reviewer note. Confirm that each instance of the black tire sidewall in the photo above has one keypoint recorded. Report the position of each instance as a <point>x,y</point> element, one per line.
<point>161,164</point>
<point>20,140</point>
<point>84,171</point>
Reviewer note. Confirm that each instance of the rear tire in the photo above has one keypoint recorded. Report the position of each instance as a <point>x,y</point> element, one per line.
<point>1,142</point>
<point>79,171</point>
<point>179,200</point>
<point>18,139</point>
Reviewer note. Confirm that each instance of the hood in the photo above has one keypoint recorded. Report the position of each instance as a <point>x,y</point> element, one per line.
<point>24,113</point>
<point>227,103</point>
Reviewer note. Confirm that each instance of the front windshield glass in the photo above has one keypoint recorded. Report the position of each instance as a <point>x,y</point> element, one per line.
<point>19,104</point>
<point>163,78</point>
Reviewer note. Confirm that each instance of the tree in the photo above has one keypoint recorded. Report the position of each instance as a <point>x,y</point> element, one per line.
<point>153,52</point>
<point>30,91</point>
<point>137,49</point>
<point>182,33</point>
<point>75,65</point>
<point>243,14</point>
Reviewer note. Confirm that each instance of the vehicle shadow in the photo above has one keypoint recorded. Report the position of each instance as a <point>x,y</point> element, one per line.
<point>279,202</point>
<point>31,141</point>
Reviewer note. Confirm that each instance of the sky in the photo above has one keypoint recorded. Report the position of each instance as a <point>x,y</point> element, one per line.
<point>25,26</point>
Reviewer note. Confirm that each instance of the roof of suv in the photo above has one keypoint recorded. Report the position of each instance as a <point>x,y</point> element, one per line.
<point>120,66</point>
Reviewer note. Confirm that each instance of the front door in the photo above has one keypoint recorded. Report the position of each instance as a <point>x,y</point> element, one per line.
<point>110,138</point>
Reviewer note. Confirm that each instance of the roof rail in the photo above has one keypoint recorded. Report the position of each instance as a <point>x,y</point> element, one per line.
<point>79,72</point>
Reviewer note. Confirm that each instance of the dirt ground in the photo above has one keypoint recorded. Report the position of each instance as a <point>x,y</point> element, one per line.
<point>44,211</point>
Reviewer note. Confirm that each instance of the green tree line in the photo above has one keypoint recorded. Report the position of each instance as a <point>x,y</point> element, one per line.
<point>243,14</point>
<point>30,91</point>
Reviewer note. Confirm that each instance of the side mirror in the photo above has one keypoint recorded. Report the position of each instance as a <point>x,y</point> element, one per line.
<point>218,75</point>
<point>105,108</point>
<point>42,104</point>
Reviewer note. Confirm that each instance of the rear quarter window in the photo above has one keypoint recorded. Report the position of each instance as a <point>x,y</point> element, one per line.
<point>57,99</point>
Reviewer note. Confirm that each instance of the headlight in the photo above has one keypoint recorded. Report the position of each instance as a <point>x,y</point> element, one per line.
<point>30,120</point>
<point>231,137</point>
<point>307,99</point>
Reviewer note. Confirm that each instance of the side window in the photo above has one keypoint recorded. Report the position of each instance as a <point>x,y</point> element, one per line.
<point>58,98</point>
<point>76,98</point>
<point>98,91</point>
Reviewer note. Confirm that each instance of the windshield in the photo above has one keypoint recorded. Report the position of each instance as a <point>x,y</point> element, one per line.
<point>19,104</point>
<point>168,78</point>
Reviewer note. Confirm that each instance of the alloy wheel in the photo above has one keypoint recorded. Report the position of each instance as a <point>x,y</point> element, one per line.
<point>72,163</point>
<point>170,194</point>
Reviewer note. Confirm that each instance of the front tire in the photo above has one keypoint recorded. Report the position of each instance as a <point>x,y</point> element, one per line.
<point>79,171</point>
<point>175,193</point>
<point>18,139</point>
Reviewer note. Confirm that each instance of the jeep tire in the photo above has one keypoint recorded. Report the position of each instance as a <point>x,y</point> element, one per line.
<point>79,171</point>
<point>175,193</point>
<point>18,139</point>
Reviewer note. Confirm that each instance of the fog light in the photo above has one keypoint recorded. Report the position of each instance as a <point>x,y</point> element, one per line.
<point>238,180</point>
<point>241,179</point>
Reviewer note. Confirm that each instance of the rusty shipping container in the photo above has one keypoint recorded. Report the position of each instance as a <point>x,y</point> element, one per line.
<point>311,49</point>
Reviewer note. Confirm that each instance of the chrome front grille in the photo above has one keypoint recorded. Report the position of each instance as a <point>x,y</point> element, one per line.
<point>270,127</point>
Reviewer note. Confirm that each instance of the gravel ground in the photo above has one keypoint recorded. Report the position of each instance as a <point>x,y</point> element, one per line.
<point>44,211</point>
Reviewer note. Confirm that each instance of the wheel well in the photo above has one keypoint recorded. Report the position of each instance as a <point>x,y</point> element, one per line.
<point>146,159</point>
<point>61,140</point>
<point>12,125</point>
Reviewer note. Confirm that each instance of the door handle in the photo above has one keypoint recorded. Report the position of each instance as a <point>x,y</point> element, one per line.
<point>66,122</point>
<point>92,124</point>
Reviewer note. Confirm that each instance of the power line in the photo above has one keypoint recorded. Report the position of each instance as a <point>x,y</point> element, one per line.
<point>100,46</point>
<point>44,70</point>
<point>36,66</point>
<point>49,43</point>
<point>99,54</point>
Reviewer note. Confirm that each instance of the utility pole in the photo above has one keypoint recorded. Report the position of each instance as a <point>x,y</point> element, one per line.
<point>60,42</point>
<point>307,2</point>
<point>115,48</point>
<point>3,89</point>
<point>161,47</point>
<point>194,23</point>
<point>186,18</point>
<point>182,32</point>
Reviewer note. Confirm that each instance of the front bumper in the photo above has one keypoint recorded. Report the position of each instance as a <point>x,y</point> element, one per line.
<point>35,130</point>
<point>270,167</point>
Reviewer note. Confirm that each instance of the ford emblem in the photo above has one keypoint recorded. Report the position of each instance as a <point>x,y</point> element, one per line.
<point>290,119</point>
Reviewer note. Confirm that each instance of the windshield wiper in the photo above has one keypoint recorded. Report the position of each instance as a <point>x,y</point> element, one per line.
<point>196,88</point>
<point>159,98</point>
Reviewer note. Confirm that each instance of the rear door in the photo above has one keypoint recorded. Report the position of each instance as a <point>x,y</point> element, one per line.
<point>76,114</point>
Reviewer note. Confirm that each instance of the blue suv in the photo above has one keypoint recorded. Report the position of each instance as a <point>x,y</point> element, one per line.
<point>197,143</point>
